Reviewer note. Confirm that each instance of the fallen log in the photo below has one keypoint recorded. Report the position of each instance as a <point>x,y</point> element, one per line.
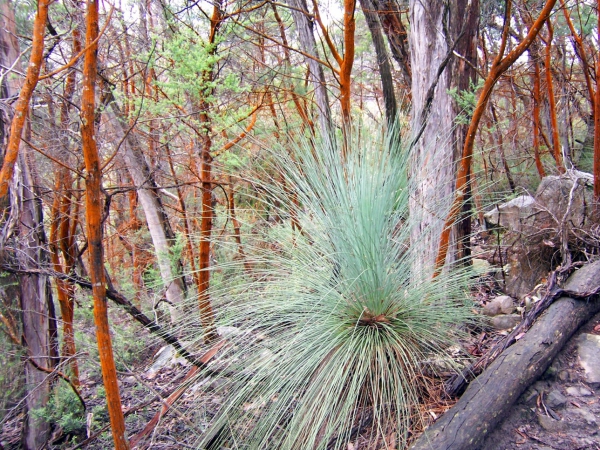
<point>490,396</point>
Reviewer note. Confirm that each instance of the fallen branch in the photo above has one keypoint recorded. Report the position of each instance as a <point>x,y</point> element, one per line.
<point>490,396</point>
<point>459,382</point>
<point>488,399</point>
<point>129,307</point>
<point>135,440</point>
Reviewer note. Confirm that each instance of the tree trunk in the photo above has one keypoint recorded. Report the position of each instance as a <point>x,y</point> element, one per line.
<point>156,217</point>
<point>93,215</point>
<point>551,100</point>
<point>33,291</point>
<point>22,105</point>
<point>36,310</point>
<point>489,396</point>
<point>385,70</point>
<point>597,126</point>
<point>304,27</point>
<point>391,20</point>
<point>436,31</point>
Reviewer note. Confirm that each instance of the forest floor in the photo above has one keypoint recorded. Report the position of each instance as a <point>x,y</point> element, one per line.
<point>560,411</point>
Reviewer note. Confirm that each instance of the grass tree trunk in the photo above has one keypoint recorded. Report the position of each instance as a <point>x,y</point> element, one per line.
<point>94,230</point>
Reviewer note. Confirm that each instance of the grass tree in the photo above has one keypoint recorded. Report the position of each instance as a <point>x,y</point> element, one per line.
<point>332,328</point>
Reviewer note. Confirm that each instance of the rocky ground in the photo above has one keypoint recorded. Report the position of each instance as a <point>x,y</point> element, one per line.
<point>561,411</point>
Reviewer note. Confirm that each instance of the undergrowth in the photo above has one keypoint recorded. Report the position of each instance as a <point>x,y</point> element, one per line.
<point>332,328</point>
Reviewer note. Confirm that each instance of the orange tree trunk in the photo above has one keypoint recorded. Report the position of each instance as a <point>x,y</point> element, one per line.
<point>22,105</point>
<point>94,230</point>
<point>552,100</point>
<point>597,125</point>
<point>536,120</point>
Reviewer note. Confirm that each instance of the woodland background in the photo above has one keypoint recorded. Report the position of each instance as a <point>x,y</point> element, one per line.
<point>137,133</point>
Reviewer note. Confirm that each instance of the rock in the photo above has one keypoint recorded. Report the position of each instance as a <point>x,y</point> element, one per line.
<point>588,347</point>
<point>586,415</point>
<point>506,304</point>
<point>226,331</point>
<point>506,322</point>
<point>585,392</point>
<point>481,266</point>
<point>511,214</point>
<point>502,304</point>
<point>553,195</point>
<point>555,399</point>
<point>530,223</point>
<point>573,391</point>
<point>563,375</point>
<point>491,309</point>
<point>167,356</point>
<point>579,391</point>
<point>530,396</point>
<point>549,424</point>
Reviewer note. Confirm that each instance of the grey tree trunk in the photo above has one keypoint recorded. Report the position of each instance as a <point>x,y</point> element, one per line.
<point>438,31</point>
<point>156,217</point>
<point>37,312</point>
<point>385,69</point>
<point>391,20</point>
<point>23,243</point>
<point>308,44</point>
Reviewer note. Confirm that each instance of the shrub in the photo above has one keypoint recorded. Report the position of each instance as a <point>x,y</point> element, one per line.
<point>334,327</point>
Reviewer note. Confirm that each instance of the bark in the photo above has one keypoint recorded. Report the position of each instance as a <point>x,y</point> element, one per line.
<point>304,27</point>
<point>551,100</point>
<point>500,64</point>
<point>490,396</point>
<point>385,70</point>
<point>536,120</point>
<point>156,217</point>
<point>22,105</point>
<point>287,59</point>
<point>391,20</point>
<point>63,226</point>
<point>206,312</point>
<point>597,125</point>
<point>581,54</point>
<point>37,310</point>
<point>33,290</point>
<point>347,62</point>
<point>94,230</point>
<point>437,32</point>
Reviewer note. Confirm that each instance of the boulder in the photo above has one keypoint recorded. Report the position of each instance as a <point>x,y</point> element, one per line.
<point>588,349</point>
<point>560,202</point>
<point>166,357</point>
<point>555,399</point>
<point>550,424</point>
<point>513,213</point>
<point>503,304</point>
<point>506,322</point>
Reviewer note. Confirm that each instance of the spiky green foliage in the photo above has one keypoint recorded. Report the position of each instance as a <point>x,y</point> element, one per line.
<point>333,329</point>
